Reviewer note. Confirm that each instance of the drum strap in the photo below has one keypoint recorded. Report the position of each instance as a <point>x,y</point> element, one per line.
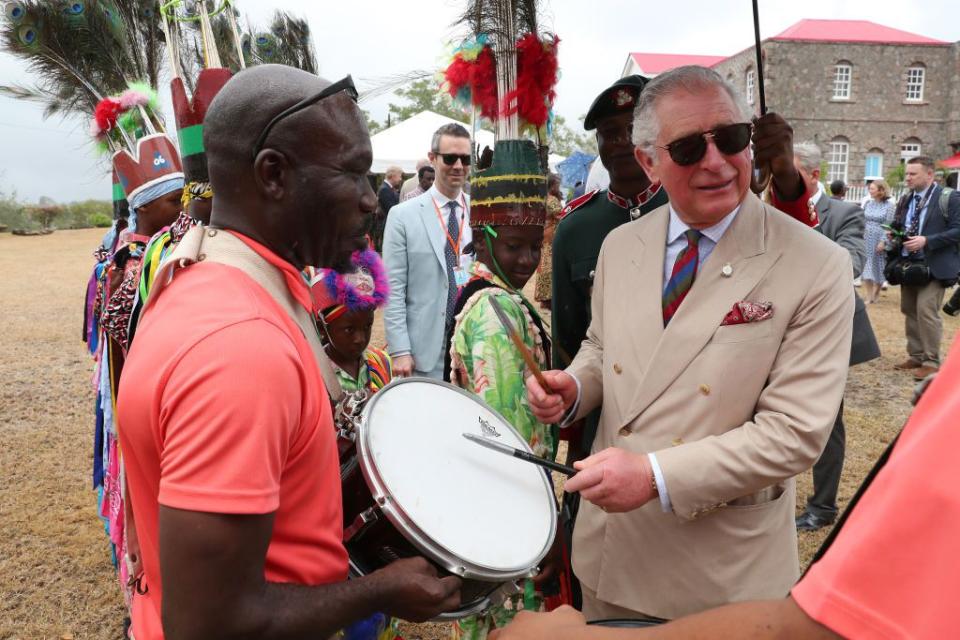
<point>215,245</point>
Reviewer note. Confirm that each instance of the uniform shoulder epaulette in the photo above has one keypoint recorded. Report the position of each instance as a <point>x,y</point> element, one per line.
<point>576,203</point>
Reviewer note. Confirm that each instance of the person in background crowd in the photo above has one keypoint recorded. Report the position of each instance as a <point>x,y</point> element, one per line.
<point>931,225</point>
<point>411,183</point>
<point>425,250</point>
<point>544,289</point>
<point>425,175</point>
<point>838,189</point>
<point>387,198</point>
<point>878,211</point>
<point>843,223</point>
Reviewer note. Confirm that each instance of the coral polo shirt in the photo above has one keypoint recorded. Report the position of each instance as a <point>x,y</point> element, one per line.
<point>894,569</point>
<point>222,409</point>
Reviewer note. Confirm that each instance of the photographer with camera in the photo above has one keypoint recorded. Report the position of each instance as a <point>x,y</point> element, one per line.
<point>924,260</point>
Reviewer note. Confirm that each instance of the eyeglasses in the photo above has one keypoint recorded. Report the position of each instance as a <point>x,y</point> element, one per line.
<point>730,139</point>
<point>450,159</point>
<point>346,84</point>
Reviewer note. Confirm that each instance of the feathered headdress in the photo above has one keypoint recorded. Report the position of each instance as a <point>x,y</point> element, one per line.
<point>518,98</point>
<point>364,288</point>
<point>80,52</point>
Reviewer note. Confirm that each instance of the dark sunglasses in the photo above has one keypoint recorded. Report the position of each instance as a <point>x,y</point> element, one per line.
<point>345,84</point>
<point>730,139</point>
<point>450,159</point>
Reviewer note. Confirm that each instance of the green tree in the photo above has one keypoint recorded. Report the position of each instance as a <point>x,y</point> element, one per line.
<point>87,213</point>
<point>425,95</point>
<point>372,125</point>
<point>896,175</point>
<point>11,216</point>
<point>566,140</point>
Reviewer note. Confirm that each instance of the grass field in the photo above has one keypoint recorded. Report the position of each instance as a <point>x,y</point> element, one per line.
<point>56,580</point>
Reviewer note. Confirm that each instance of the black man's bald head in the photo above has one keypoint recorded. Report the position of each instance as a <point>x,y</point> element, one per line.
<point>304,194</point>
<point>245,105</point>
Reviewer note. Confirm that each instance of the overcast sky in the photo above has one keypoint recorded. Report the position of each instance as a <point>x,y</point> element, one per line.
<point>371,40</point>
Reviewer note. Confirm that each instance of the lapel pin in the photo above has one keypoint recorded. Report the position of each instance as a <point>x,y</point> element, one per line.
<point>726,271</point>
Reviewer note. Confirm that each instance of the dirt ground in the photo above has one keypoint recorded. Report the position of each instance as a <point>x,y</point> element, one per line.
<point>56,579</point>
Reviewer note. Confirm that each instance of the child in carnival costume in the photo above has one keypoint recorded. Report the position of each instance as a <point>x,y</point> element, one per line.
<point>346,304</point>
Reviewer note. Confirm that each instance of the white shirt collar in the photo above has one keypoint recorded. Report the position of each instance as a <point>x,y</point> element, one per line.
<point>815,198</point>
<point>441,199</point>
<point>678,227</point>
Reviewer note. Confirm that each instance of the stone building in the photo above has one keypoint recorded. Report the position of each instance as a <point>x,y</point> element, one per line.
<point>870,96</point>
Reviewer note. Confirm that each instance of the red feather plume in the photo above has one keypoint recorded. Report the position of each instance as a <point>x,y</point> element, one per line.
<point>479,77</point>
<point>536,79</point>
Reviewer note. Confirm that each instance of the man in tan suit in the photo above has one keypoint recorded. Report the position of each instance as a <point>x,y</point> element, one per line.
<point>718,347</point>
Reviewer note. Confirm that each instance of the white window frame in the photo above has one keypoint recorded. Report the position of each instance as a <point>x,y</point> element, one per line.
<point>916,78</point>
<point>751,85</point>
<point>838,160</point>
<point>842,81</point>
<point>910,150</point>
<point>866,165</point>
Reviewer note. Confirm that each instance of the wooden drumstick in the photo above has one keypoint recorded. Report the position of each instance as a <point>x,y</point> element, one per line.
<point>518,343</point>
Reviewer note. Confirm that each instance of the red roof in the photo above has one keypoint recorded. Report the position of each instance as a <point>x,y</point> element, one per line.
<point>654,63</point>
<point>852,31</point>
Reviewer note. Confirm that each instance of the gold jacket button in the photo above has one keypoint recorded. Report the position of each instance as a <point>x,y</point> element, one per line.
<point>625,431</point>
<point>705,389</point>
<point>676,442</point>
<point>617,369</point>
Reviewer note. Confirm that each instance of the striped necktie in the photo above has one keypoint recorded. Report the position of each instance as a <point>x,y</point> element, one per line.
<point>681,279</point>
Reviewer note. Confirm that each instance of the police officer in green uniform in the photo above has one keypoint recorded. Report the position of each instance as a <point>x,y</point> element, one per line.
<point>587,220</point>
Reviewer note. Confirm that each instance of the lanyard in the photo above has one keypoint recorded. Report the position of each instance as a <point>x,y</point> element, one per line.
<point>918,208</point>
<point>443,225</point>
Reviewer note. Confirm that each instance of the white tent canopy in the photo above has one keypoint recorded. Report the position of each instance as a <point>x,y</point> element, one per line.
<point>408,141</point>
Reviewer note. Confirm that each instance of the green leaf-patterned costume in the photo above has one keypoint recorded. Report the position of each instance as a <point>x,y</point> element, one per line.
<point>485,361</point>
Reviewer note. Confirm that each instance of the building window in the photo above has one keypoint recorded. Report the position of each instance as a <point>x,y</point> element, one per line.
<point>915,77</point>
<point>750,85</point>
<point>837,160</point>
<point>873,167</point>
<point>841,81</point>
<point>910,149</point>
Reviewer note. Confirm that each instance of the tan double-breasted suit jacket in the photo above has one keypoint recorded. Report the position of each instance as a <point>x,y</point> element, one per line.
<point>732,413</point>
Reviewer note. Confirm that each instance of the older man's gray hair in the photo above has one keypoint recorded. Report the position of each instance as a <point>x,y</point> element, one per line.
<point>692,79</point>
<point>808,155</point>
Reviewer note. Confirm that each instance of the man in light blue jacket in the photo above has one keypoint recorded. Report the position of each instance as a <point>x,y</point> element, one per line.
<point>423,249</point>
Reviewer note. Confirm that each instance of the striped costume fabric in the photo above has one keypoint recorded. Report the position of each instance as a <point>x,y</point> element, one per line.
<point>682,276</point>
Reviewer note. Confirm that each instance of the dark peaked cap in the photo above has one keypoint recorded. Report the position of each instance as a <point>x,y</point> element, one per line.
<point>620,96</point>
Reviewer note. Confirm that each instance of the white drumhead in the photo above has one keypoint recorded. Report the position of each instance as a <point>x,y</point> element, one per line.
<point>480,505</point>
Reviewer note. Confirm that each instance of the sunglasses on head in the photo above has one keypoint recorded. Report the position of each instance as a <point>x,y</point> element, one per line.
<point>730,139</point>
<point>346,84</point>
<point>450,159</point>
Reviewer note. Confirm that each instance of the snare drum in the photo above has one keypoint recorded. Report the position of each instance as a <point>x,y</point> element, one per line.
<point>415,486</point>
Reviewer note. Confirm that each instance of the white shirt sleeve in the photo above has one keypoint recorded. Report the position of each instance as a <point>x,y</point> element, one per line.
<point>665,503</point>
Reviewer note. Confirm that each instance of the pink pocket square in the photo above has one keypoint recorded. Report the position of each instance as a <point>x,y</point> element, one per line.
<point>745,311</point>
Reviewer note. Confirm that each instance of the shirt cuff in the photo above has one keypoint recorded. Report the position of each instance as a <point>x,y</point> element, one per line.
<point>661,484</point>
<point>397,354</point>
<point>572,411</point>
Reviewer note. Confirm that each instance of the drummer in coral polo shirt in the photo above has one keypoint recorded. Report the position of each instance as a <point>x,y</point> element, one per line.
<point>225,425</point>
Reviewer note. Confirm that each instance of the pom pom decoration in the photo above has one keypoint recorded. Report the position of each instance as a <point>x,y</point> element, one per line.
<point>105,117</point>
<point>365,287</point>
<point>140,94</point>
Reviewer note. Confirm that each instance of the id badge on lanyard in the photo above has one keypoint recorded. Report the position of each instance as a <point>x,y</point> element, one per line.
<point>460,275</point>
